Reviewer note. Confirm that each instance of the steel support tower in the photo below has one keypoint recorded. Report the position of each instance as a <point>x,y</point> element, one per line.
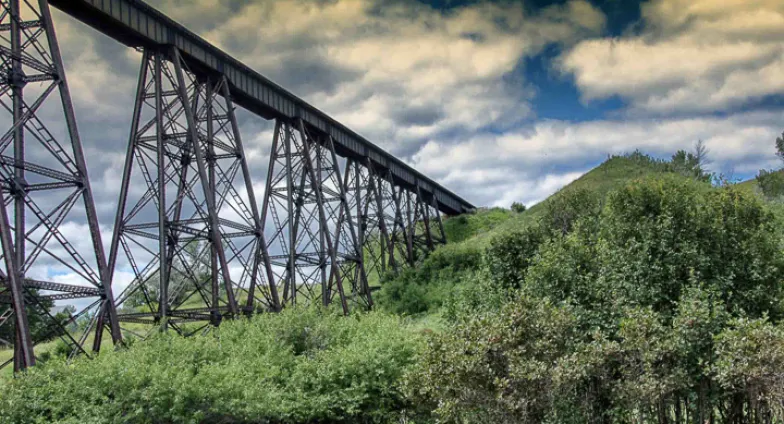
<point>46,198</point>
<point>192,235</point>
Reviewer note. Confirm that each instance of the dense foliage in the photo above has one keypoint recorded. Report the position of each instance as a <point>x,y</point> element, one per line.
<point>771,183</point>
<point>662,305</point>
<point>427,287</point>
<point>300,366</point>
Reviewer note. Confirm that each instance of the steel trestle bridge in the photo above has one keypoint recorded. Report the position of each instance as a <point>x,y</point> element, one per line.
<point>200,247</point>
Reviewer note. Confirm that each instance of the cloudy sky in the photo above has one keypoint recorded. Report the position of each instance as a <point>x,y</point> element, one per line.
<point>499,101</point>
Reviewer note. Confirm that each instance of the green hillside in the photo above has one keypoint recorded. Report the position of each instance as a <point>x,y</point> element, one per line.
<point>615,172</point>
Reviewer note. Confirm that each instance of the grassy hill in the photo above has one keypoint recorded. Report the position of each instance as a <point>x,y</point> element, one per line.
<point>615,172</point>
<point>424,292</point>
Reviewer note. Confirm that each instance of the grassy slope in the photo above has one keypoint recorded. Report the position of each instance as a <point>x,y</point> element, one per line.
<point>751,186</point>
<point>472,234</point>
<point>481,227</point>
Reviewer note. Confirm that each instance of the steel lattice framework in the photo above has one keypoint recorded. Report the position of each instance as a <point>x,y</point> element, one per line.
<point>307,200</point>
<point>336,213</point>
<point>193,237</point>
<point>45,187</point>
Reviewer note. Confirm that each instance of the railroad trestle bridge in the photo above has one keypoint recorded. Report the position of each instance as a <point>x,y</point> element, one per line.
<point>199,243</point>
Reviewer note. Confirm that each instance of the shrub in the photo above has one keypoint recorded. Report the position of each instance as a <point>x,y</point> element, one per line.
<point>750,361</point>
<point>658,236</point>
<point>476,293</point>
<point>518,207</point>
<point>510,254</point>
<point>771,183</point>
<point>665,306</point>
<point>303,365</point>
<point>425,288</point>
<point>495,368</point>
<point>568,207</point>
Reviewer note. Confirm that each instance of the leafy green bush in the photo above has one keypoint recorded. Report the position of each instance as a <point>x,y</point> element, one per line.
<point>476,293</point>
<point>515,365</point>
<point>568,207</point>
<point>750,361</point>
<point>771,183</point>
<point>635,313</point>
<point>509,255</point>
<point>304,365</point>
<point>425,288</point>
<point>658,236</point>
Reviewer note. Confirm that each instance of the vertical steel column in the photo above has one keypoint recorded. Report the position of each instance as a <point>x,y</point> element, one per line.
<point>17,87</point>
<point>386,241</point>
<point>284,202</point>
<point>108,306</point>
<point>214,286</point>
<point>128,167</point>
<point>426,219</point>
<point>214,224</point>
<point>17,93</point>
<point>353,259</point>
<point>369,222</point>
<point>326,292</point>
<point>260,255</point>
<point>442,234</point>
<point>312,228</point>
<point>163,234</point>
<point>361,197</point>
<point>316,186</point>
<point>399,238</point>
<point>293,217</point>
<point>278,197</point>
<point>268,209</point>
<point>23,346</point>
<point>410,228</point>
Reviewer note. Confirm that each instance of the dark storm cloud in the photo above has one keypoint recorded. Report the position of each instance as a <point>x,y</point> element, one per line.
<point>307,74</point>
<point>418,115</point>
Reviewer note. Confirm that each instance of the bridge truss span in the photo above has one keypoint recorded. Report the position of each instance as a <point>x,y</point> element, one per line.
<point>336,214</point>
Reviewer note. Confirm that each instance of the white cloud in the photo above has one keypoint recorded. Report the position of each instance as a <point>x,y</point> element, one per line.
<point>526,165</point>
<point>96,82</point>
<point>402,72</point>
<point>700,55</point>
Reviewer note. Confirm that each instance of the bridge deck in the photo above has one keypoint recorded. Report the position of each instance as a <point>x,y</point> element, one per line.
<point>136,24</point>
